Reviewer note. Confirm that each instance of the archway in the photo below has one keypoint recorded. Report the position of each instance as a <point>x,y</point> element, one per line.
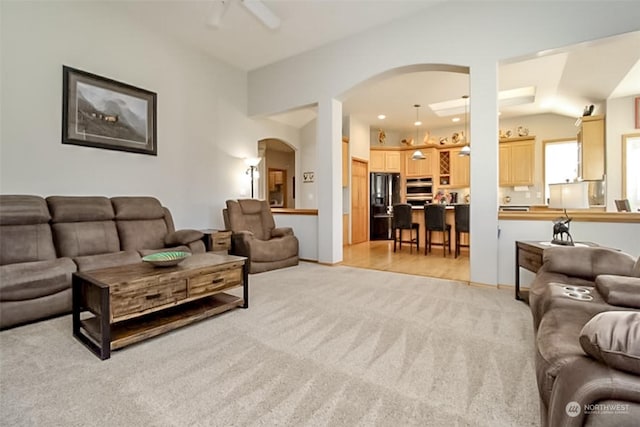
<point>279,172</point>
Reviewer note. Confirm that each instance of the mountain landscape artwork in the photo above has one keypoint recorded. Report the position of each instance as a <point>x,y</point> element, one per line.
<point>110,114</point>
<point>102,113</point>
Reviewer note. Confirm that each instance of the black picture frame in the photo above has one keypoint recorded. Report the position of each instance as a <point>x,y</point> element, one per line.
<point>103,113</point>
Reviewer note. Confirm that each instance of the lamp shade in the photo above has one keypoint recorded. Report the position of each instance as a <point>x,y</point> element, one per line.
<point>571,195</point>
<point>252,161</point>
<point>417,155</point>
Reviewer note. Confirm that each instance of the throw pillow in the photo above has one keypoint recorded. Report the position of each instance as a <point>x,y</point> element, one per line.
<point>613,338</point>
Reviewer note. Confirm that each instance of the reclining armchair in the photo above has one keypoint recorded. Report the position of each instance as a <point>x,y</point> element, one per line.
<point>255,236</point>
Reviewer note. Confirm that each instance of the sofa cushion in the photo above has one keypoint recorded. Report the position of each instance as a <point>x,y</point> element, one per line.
<point>79,209</point>
<point>274,249</point>
<point>29,280</point>
<point>22,210</point>
<point>86,238</point>
<point>619,290</point>
<point>613,338</point>
<point>587,263</point>
<point>135,207</point>
<point>141,234</point>
<point>95,262</point>
<point>636,268</point>
<point>26,243</point>
<point>251,215</point>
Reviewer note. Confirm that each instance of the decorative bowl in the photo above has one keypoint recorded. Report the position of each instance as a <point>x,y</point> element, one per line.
<point>166,259</point>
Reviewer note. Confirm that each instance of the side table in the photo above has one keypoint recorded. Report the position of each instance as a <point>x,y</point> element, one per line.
<point>529,257</point>
<point>217,240</point>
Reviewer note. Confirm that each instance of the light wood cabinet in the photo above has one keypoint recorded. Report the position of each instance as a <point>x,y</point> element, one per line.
<point>459,169</point>
<point>517,161</point>
<point>385,161</point>
<point>425,167</point>
<point>591,138</point>
<point>453,169</point>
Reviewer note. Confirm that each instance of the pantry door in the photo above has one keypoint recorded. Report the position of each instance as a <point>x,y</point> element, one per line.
<point>359,201</point>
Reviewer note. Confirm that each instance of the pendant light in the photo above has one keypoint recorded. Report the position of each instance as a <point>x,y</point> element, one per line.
<point>466,150</point>
<point>417,155</point>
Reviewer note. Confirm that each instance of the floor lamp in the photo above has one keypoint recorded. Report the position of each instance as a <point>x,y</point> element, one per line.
<point>252,162</point>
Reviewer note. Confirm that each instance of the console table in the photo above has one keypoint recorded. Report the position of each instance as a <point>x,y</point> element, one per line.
<point>118,306</point>
<point>529,257</point>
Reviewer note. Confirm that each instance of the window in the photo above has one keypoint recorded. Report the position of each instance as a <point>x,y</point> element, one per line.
<point>630,172</point>
<point>560,162</point>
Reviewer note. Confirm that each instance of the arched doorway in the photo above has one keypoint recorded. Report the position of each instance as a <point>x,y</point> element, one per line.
<point>279,171</point>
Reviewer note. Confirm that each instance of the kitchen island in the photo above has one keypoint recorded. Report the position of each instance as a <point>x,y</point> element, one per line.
<point>418,217</point>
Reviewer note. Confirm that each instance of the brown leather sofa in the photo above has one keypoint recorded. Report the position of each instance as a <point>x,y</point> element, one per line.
<point>585,304</point>
<point>43,241</point>
<point>255,236</point>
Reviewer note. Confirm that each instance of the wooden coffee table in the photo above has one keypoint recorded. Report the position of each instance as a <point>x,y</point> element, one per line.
<point>118,306</point>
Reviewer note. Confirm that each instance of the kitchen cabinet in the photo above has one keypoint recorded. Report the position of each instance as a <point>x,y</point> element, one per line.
<point>591,141</point>
<point>453,169</point>
<point>385,161</point>
<point>419,168</point>
<point>459,169</point>
<point>517,161</point>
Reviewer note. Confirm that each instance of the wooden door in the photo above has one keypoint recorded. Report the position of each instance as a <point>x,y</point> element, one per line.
<point>359,201</point>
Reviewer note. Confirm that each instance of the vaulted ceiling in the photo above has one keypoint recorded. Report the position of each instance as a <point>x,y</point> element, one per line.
<point>563,80</point>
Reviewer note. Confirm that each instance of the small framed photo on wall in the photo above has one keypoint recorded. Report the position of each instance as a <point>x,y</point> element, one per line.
<point>637,112</point>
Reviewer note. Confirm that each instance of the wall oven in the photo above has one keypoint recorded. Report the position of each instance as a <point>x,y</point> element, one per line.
<point>419,190</point>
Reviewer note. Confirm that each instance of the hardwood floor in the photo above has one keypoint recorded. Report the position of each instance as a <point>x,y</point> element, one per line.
<point>379,255</point>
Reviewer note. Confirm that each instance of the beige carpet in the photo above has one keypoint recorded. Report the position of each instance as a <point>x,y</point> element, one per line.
<point>319,346</point>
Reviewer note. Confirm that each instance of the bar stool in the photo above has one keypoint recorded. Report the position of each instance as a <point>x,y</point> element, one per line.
<point>402,221</point>
<point>461,213</point>
<point>434,220</point>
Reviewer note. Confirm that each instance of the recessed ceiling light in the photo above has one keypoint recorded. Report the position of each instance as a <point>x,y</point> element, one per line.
<point>382,116</point>
<point>455,119</point>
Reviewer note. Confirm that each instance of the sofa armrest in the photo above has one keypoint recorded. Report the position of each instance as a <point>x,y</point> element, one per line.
<point>182,237</point>
<point>282,231</point>
<point>587,263</point>
<point>619,290</point>
<point>587,382</point>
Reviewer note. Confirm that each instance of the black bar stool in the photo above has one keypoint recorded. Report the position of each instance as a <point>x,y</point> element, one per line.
<point>402,221</point>
<point>435,220</point>
<point>462,225</point>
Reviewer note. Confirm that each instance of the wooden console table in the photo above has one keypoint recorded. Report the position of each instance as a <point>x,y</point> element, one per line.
<point>118,306</point>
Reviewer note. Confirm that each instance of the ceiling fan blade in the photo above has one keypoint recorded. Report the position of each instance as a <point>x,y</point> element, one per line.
<point>262,12</point>
<point>218,10</point>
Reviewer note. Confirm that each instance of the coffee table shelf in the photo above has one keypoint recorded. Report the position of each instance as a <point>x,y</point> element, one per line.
<point>150,301</point>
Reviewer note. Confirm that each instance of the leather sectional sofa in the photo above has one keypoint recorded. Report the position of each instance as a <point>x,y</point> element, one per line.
<point>585,304</point>
<point>43,241</point>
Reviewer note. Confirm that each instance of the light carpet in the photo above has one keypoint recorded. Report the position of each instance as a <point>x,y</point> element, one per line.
<point>318,346</point>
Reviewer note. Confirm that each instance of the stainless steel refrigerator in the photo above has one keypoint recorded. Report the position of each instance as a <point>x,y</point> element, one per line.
<point>385,192</point>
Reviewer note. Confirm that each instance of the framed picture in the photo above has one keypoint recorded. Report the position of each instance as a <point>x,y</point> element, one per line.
<point>637,112</point>
<point>103,113</point>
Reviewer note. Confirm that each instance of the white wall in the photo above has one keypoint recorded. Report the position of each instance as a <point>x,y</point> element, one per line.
<point>308,198</point>
<point>305,228</point>
<point>486,33</point>
<point>620,121</point>
<point>203,130</point>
